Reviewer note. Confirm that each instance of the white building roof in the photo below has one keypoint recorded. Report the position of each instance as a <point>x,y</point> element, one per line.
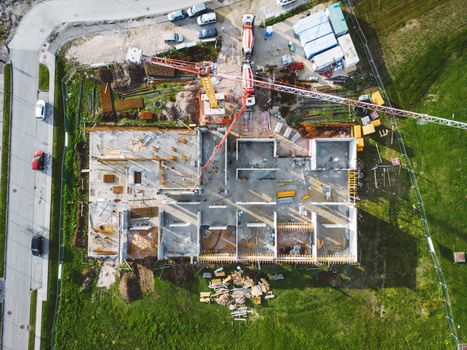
<point>328,57</point>
<point>319,45</point>
<point>310,21</point>
<point>315,33</point>
<point>350,54</point>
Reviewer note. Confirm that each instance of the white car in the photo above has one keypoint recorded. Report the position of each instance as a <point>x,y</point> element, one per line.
<point>207,18</point>
<point>40,109</point>
<point>196,10</point>
<point>173,38</point>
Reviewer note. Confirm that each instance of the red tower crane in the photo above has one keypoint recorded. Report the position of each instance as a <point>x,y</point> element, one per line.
<point>207,69</point>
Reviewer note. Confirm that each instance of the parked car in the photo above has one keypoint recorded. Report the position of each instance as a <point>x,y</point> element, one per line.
<point>173,38</point>
<point>207,18</point>
<point>38,160</point>
<point>196,10</point>
<point>176,15</point>
<point>37,245</point>
<point>207,33</point>
<point>40,109</point>
<point>284,2</point>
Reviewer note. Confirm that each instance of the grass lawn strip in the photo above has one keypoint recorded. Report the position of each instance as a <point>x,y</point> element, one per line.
<point>5,161</point>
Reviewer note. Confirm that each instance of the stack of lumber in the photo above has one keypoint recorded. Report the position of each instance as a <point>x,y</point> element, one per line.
<point>234,290</point>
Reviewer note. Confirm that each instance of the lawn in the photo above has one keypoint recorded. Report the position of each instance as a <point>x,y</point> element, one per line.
<point>32,319</point>
<point>43,77</point>
<point>391,301</point>
<point>5,161</point>
<point>48,307</point>
<point>426,72</point>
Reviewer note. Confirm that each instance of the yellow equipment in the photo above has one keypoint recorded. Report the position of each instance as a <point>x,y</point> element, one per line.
<point>209,89</point>
<point>357,131</point>
<point>285,194</point>
<point>360,144</point>
<point>377,98</point>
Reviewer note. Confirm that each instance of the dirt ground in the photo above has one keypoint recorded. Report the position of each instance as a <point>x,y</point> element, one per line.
<point>142,243</point>
<point>107,274</point>
<point>111,47</point>
<point>133,284</point>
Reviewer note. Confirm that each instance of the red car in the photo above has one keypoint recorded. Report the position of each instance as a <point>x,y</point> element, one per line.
<point>38,160</point>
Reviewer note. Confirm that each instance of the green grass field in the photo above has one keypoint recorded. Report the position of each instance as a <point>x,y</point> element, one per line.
<point>431,78</point>
<point>32,319</point>
<point>391,301</point>
<point>5,161</point>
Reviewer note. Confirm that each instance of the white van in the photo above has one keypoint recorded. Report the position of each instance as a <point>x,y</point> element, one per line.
<point>196,9</point>
<point>207,18</point>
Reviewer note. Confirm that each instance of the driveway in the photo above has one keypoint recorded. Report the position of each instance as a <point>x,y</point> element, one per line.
<point>29,191</point>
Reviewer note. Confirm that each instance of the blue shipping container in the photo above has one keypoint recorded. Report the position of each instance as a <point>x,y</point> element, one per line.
<point>319,45</point>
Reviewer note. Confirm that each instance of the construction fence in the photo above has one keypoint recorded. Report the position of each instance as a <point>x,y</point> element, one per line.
<point>413,179</point>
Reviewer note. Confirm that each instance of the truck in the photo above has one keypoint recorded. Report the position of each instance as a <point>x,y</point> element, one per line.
<point>247,78</point>
<point>248,40</point>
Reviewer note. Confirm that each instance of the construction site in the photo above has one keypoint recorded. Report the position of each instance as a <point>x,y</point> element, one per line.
<point>247,179</point>
<point>233,180</point>
<point>255,203</point>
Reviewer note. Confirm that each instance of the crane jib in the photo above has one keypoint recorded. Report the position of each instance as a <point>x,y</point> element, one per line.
<point>201,68</point>
<point>349,102</point>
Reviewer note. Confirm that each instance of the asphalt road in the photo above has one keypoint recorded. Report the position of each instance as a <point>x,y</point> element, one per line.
<point>29,191</point>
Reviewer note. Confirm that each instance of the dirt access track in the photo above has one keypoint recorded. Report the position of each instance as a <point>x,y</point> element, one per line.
<point>111,47</point>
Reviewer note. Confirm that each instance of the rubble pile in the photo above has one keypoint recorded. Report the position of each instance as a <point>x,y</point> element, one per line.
<point>234,290</point>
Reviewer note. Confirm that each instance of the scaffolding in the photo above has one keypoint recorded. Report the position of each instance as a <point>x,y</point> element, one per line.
<point>352,184</point>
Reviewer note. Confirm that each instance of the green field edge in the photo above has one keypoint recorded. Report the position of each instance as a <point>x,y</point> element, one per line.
<point>49,306</point>
<point>7,71</point>
<point>423,85</point>
<point>32,319</point>
<point>5,161</point>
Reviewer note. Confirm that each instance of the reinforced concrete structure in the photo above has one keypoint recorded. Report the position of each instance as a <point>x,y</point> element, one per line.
<point>262,199</point>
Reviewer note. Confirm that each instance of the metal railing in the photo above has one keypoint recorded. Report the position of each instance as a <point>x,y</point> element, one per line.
<point>413,180</point>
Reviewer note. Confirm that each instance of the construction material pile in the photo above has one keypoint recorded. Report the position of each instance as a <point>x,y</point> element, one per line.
<point>234,290</point>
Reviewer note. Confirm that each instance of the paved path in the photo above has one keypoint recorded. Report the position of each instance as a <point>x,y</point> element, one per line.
<point>29,196</point>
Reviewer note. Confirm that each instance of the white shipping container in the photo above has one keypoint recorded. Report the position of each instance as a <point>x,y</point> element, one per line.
<point>310,21</point>
<point>323,60</point>
<point>350,54</point>
<point>319,45</point>
<point>315,33</point>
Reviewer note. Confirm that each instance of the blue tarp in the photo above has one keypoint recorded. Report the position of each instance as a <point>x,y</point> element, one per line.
<point>336,17</point>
